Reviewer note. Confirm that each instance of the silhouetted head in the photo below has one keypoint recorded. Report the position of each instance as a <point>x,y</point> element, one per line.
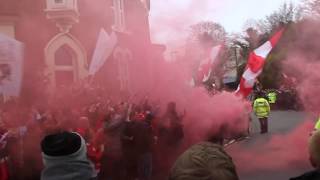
<point>217,136</point>
<point>260,94</point>
<point>171,107</point>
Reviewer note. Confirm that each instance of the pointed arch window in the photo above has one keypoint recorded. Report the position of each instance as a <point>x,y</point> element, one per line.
<point>64,56</point>
<point>66,61</point>
<point>65,66</point>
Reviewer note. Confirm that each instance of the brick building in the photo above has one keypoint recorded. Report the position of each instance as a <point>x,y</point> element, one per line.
<point>60,38</point>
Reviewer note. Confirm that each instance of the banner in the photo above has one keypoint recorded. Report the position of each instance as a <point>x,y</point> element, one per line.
<point>104,49</point>
<point>255,64</point>
<point>11,66</point>
<point>206,65</point>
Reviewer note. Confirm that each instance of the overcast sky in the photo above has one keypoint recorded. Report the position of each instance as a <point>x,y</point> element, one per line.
<point>170,19</point>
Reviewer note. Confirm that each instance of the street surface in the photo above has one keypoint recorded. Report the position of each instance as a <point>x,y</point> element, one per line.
<point>281,125</point>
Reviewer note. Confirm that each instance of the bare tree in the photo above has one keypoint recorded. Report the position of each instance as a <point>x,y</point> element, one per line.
<point>202,37</point>
<point>286,14</point>
<point>311,8</point>
<point>206,32</point>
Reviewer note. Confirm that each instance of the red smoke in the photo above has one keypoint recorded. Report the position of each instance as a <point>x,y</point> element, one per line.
<point>301,64</point>
<point>204,113</point>
<point>281,152</point>
<point>308,76</point>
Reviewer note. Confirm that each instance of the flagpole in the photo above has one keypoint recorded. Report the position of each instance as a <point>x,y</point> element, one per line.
<point>237,62</point>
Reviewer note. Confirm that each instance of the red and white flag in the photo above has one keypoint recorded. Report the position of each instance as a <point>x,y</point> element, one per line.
<point>255,64</point>
<point>205,68</point>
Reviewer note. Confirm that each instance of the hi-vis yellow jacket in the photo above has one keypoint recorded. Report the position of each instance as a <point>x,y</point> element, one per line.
<point>317,126</point>
<point>261,108</point>
<point>272,97</point>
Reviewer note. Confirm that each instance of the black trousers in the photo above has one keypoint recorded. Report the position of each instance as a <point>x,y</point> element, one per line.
<point>263,125</point>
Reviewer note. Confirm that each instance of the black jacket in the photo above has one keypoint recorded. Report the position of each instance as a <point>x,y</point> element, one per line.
<point>313,175</point>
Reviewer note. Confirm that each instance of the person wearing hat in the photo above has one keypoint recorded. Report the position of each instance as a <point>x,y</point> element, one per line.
<point>206,160</point>
<point>314,152</point>
<point>64,156</point>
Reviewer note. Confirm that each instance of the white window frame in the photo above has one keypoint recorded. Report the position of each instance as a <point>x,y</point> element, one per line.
<point>119,15</point>
<point>79,67</point>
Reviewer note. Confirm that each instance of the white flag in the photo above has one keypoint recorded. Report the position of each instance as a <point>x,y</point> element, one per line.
<point>104,48</point>
<point>205,67</point>
<point>11,66</point>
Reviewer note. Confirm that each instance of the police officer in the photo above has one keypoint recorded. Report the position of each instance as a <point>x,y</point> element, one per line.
<point>316,126</point>
<point>261,109</point>
<point>272,97</point>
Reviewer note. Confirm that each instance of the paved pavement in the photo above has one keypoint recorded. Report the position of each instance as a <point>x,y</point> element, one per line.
<point>280,123</point>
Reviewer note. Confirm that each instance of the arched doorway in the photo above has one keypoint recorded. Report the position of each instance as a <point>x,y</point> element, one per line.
<point>66,61</point>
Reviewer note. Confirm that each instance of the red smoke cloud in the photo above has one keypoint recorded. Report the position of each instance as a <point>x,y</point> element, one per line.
<point>302,63</point>
<point>307,85</point>
<point>290,151</point>
<point>204,113</point>
<point>281,152</point>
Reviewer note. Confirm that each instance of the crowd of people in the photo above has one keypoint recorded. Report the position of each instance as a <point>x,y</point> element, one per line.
<point>124,139</point>
<point>81,133</point>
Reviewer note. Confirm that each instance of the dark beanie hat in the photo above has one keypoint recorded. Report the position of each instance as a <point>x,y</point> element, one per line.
<point>61,144</point>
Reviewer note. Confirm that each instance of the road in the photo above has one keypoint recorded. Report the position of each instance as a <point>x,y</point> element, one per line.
<point>279,150</point>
